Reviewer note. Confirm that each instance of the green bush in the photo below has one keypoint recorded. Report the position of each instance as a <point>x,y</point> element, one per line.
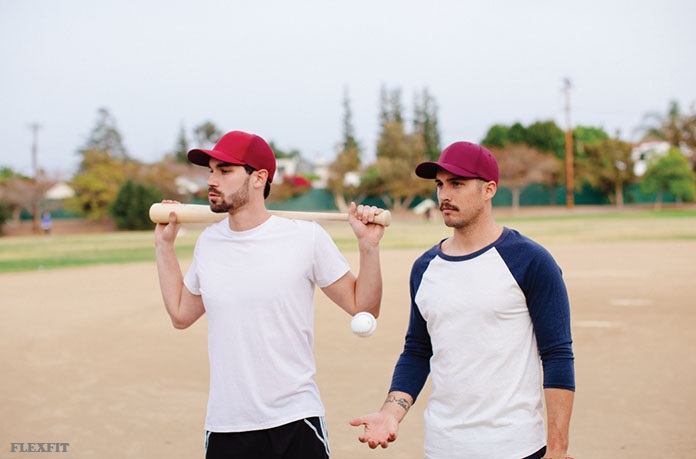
<point>5,215</point>
<point>130,210</point>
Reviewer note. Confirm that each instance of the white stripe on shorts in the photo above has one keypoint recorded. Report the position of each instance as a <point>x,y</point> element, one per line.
<point>323,435</point>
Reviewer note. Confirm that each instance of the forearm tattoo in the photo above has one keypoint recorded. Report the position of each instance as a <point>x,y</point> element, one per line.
<point>402,402</point>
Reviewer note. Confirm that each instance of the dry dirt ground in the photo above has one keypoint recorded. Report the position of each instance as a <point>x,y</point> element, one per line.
<point>89,358</point>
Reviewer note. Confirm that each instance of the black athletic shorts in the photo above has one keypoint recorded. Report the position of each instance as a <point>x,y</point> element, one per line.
<point>538,455</point>
<point>303,439</point>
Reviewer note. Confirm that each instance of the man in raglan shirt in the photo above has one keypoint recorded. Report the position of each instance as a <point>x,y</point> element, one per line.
<point>489,311</point>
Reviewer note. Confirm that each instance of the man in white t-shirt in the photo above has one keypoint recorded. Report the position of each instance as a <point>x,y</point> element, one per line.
<point>254,274</point>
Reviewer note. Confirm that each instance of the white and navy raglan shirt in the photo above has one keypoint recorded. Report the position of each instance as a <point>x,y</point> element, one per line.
<point>483,326</point>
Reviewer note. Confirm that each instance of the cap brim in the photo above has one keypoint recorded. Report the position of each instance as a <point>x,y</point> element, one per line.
<point>202,157</point>
<point>428,170</point>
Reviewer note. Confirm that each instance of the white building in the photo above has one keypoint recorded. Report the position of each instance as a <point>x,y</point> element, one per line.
<point>645,152</point>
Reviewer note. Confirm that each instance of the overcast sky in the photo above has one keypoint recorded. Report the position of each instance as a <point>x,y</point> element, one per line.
<point>279,68</point>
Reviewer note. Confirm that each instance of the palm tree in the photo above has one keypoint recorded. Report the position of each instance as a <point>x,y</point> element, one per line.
<point>676,127</point>
<point>669,127</point>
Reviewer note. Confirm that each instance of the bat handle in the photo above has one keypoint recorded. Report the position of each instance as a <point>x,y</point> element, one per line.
<point>384,218</point>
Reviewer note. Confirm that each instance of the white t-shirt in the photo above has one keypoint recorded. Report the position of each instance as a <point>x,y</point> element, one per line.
<point>258,290</point>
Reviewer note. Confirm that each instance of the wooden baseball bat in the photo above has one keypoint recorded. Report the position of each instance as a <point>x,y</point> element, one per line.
<point>199,213</point>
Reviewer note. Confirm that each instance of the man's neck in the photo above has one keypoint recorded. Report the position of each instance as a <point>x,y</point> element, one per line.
<point>248,217</point>
<point>465,241</point>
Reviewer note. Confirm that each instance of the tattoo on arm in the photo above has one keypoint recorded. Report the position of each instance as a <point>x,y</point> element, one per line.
<point>402,402</point>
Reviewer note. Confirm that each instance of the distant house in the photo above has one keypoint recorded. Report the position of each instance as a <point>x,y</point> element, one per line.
<point>191,181</point>
<point>321,173</point>
<point>59,191</point>
<point>292,167</point>
<point>645,152</point>
<point>190,185</point>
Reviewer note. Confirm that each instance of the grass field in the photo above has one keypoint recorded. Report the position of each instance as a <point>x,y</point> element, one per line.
<point>30,253</point>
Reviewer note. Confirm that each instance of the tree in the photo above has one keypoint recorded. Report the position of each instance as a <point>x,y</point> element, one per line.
<point>543,136</point>
<point>18,193</point>
<point>425,124</point>
<point>521,165</point>
<point>586,139</point>
<point>608,167</point>
<point>5,215</point>
<point>131,206</point>
<point>182,147</point>
<point>206,135</point>
<point>546,137</point>
<point>393,177</point>
<point>289,188</point>
<point>347,161</point>
<point>670,173</point>
<point>497,136</point>
<point>670,127</point>
<point>391,108</point>
<point>281,153</point>
<point>675,127</point>
<point>106,137</point>
<point>97,183</point>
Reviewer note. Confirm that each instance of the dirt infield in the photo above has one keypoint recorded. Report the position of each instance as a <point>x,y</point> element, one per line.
<point>89,358</point>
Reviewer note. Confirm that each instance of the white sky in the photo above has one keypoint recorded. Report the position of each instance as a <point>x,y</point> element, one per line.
<point>279,68</point>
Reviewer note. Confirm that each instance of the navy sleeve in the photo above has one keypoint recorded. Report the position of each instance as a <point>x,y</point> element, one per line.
<point>413,367</point>
<point>541,280</point>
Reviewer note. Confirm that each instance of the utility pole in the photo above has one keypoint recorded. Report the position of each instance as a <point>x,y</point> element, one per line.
<point>570,200</point>
<point>35,148</point>
<point>36,221</point>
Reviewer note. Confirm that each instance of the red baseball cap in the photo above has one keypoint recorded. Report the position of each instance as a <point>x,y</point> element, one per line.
<point>241,148</point>
<point>464,159</point>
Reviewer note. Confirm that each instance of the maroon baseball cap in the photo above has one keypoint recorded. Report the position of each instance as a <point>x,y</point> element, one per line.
<point>464,159</point>
<point>238,147</point>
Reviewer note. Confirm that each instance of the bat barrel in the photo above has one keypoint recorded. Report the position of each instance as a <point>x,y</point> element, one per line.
<point>198,213</point>
<point>185,213</point>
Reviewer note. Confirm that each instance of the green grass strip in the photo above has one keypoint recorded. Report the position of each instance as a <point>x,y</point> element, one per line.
<point>32,253</point>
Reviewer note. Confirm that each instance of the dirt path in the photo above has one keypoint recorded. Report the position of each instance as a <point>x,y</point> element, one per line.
<point>89,358</point>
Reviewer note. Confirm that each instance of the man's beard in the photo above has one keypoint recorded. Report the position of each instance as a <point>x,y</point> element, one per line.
<point>234,201</point>
<point>461,220</point>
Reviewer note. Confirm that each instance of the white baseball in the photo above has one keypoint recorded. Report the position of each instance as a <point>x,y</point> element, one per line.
<point>363,324</point>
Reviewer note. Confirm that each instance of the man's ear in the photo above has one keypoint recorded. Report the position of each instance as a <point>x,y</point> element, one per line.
<point>261,178</point>
<point>490,188</point>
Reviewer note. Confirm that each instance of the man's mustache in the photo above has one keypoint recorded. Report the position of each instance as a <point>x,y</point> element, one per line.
<point>448,207</point>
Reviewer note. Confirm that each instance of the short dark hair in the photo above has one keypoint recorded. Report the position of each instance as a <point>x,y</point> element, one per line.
<point>267,189</point>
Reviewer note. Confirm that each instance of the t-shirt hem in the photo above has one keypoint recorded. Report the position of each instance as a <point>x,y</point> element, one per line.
<point>264,425</point>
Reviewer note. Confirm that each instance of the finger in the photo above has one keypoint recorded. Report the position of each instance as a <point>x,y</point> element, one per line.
<point>366,213</point>
<point>369,213</point>
<point>172,217</point>
<point>353,210</point>
<point>356,422</point>
<point>359,209</point>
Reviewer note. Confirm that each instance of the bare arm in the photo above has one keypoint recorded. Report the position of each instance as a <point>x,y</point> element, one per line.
<point>363,293</point>
<point>183,307</point>
<point>382,428</point>
<point>559,406</point>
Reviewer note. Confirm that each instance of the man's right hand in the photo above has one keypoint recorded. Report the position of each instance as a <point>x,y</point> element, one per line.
<point>165,233</point>
<point>380,429</point>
